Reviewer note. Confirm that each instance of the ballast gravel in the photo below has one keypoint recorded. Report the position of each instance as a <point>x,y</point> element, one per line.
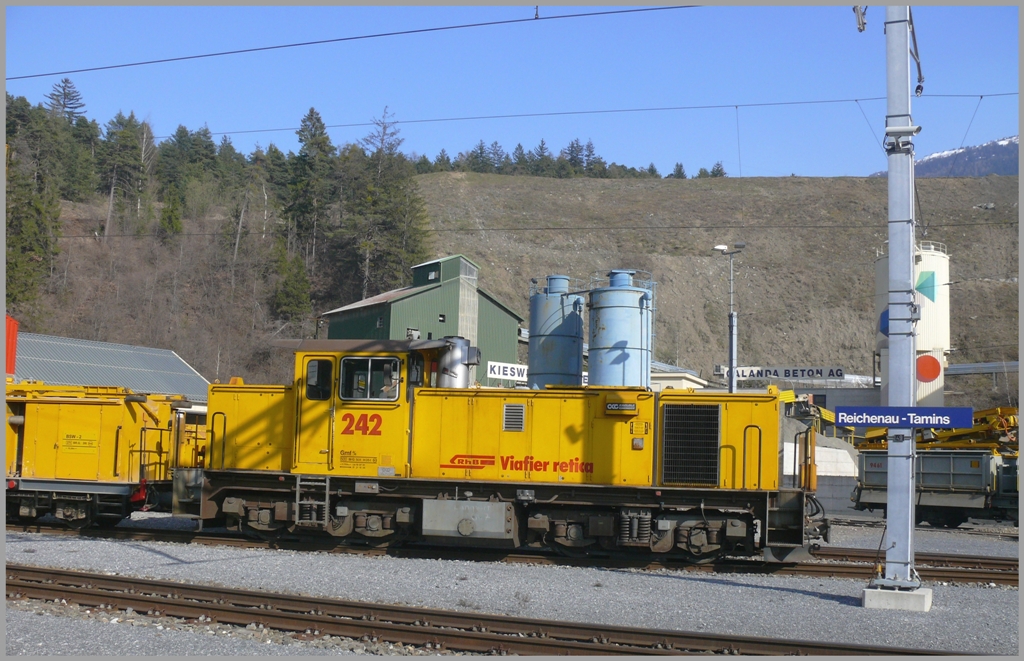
<point>964,618</point>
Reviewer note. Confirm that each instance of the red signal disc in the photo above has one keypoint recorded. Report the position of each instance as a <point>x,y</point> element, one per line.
<point>928,368</point>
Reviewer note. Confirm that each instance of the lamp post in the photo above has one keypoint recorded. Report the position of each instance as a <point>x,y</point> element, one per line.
<point>738,247</point>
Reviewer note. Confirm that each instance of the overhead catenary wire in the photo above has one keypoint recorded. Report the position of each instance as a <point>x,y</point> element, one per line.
<point>597,228</point>
<point>396,33</point>
<point>960,148</point>
<point>566,113</point>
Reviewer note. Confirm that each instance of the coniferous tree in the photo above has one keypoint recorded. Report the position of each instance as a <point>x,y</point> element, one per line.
<point>290,300</point>
<point>120,158</point>
<point>703,173</point>
<point>520,160</point>
<point>575,154</point>
<point>311,187</point>
<point>477,159</point>
<point>65,101</point>
<point>652,171</point>
<point>443,163</point>
<point>381,235</point>
<point>717,170</point>
<point>33,225</point>
<point>542,164</point>
<point>496,156</point>
<point>423,165</point>
<point>678,172</point>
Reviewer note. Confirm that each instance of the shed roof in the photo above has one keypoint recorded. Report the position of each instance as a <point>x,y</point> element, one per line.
<point>446,259</point>
<point>386,297</point>
<point>67,361</point>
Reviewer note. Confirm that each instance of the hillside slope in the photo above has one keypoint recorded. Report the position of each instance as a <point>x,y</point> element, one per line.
<point>804,283</point>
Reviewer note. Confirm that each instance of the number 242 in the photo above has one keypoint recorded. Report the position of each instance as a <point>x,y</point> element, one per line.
<point>361,424</point>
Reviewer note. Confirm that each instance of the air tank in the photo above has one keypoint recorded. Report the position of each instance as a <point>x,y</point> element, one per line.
<point>621,318</point>
<point>556,335</point>
<point>932,341</point>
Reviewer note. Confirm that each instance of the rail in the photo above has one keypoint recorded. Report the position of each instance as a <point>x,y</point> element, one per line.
<point>433,628</point>
<point>835,562</point>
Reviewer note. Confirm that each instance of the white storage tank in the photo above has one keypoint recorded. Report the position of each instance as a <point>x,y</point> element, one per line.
<point>931,294</point>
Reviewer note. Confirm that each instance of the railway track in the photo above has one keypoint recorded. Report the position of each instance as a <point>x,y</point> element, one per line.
<point>1000,532</point>
<point>437,629</point>
<point>834,562</point>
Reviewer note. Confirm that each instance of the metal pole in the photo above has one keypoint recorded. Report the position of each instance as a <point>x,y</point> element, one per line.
<point>732,331</point>
<point>899,556</point>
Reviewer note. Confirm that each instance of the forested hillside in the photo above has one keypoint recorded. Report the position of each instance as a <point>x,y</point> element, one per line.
<point>192,246</point>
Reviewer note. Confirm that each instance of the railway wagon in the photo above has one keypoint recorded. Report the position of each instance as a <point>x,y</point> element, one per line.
<point>960,473</point>
<point>94,454</point>
<point>952,485</point>
<point>371,444</point>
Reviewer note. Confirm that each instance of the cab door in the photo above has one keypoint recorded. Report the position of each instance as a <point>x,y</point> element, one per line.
<point>371,434</point>
<point>316,412</point>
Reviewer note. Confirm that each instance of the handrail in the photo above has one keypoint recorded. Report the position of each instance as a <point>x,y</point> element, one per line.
<point>223,437</point>
<point>721,450</point>
<point>760,452</point>
<point>143,451</point>
<point>117,444</point>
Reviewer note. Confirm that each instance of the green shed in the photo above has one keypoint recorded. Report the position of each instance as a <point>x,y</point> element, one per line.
<point>443,300</point>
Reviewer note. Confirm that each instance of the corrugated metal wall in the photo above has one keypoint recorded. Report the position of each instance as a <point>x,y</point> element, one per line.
<point>369,323</point>
<point>498,338</point>
<point>423,312</point>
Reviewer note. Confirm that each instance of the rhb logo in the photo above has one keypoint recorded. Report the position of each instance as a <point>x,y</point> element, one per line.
<point>470,461</point>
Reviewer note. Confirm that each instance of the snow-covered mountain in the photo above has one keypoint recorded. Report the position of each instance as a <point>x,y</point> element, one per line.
<point>996,157</point>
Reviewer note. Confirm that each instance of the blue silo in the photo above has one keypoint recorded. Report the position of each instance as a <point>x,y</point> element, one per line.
<point>621,317</point>
<point>556,335</point>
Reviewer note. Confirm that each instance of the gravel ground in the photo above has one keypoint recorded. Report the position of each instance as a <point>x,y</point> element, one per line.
<point>960,541</point>
<point>974,619</point>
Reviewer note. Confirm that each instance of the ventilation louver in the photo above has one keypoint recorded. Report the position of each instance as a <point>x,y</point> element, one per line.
<point>514,418</point>
<point>690,442</point>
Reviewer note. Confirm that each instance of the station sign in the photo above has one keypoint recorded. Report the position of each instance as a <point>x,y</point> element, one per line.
<point>934,417</point>
<point>788,372</point>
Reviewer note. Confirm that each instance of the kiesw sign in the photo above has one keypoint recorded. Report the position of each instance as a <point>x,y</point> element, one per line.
<point>934,417</point>
<point>513,372</point>
<point>506,371</point>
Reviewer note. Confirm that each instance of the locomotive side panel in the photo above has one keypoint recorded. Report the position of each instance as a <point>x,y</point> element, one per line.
<point>552,436</point>
<point>250,427</point>
<point>713,442</point>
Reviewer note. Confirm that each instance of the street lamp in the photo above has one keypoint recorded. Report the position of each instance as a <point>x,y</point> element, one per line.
<point>724,249</point>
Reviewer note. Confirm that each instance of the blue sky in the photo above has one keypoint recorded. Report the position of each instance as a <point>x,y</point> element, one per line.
<point>685,57</point>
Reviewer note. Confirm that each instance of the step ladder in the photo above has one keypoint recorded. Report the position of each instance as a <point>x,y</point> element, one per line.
<point>312,496</point>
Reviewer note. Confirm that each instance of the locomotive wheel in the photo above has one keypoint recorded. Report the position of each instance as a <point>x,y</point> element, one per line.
<point>78,524</point>
<point>702,559</point>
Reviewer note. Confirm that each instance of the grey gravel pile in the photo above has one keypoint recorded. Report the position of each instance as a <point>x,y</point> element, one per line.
<point>974,619</point>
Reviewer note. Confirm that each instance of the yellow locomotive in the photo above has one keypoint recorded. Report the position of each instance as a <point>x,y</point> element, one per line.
<point>382,441</point>
<point>93,454</point>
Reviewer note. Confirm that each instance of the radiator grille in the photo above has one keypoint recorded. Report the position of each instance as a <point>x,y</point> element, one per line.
<point>690,444</point>
<point>515,417</point>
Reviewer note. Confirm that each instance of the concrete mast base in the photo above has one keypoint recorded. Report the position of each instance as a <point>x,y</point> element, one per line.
<point>918,600</point>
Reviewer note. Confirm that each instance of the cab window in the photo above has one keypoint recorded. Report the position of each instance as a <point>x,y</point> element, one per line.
<point>318,379</point>
<point>370,378</point>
